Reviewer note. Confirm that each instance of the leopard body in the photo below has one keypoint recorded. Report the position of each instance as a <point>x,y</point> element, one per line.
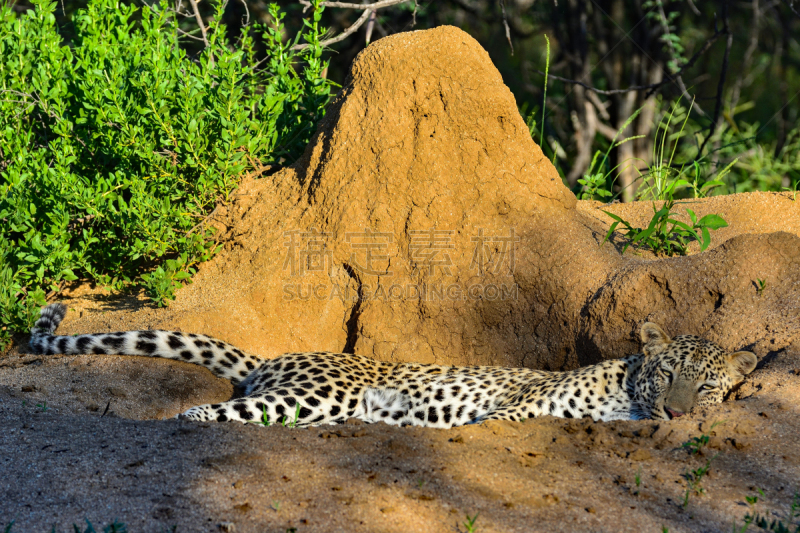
<point>669,378</point>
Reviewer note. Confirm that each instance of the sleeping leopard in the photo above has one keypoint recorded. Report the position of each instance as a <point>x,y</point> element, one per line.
<point>666,380</point>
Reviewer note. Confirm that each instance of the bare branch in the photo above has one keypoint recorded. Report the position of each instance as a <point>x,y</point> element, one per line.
<point>346,33</point>
<point>199,20</point>
<point>189,35</point>
<point>246,10</point>
<point>371,24</point>
<point>721,84</point>
<point>675,55</point>
<point>790,3</point>
<point>347,5</point>
<point>652,87</point>
<point>505,23</point>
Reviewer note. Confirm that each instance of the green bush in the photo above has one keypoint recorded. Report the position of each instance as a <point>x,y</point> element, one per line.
<point>114,149</point>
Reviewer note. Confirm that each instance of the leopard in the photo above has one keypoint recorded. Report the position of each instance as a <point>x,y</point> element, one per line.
<point>668,379</point>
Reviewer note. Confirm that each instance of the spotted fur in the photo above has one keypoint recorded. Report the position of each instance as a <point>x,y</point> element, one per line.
<point>668,379</point>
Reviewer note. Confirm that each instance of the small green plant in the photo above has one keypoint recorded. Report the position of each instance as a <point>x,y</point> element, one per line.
<point>276,505</point>
<point>42,406</point>
<point>637,479</point>
<point>593,184</point>
<point>793,190</point>
<point>264,417</point>
<point>788,524</point>
<point>761,284</point>
<point>8,527</point>
<point>293,423</point>
<point>665,235</point>
<point>753,500</point>
<point>113,527</point>
<point>544,97</point>
<point>694,479</point>
<point>470,523</point>
<point>702,188</point>
<point>695,445</point>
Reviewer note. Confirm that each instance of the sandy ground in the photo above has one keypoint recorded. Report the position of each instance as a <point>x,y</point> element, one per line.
<point>69,456</point>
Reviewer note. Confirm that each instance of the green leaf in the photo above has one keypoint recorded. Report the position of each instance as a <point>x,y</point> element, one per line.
<point>712,222</point>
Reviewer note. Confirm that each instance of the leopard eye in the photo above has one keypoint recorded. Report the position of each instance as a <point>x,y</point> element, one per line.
<point>666,373</point>
<point>706,387</point>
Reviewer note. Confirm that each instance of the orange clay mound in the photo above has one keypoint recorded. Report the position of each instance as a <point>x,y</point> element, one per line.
<point>424,224</point>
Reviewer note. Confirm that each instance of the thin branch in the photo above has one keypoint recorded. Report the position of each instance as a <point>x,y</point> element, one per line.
<point>694,8</point>
<point>347,5</point>
<point>678,78</point>
<point>505,23</point>
<point>790,3</point>
<point>348,32</point>
<point>200,23</point>
<point>187,34</point>
<point>652,87</point>
<point>246,10</point>
<point>371,24</point>
<point>721,84</point>
<point>199,20</point>
<point>204,220</point>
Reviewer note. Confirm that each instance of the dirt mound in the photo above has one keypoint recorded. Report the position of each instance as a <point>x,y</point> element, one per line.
<point>424,224</point>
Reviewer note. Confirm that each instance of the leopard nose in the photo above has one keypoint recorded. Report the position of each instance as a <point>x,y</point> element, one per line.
<point>672,413</point>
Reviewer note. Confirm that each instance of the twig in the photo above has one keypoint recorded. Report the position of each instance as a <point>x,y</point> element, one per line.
<point>652,87</point>
<point>246,10</point>
<point>200,23</point>
<point>189,35</point>
<point>347,5</point>
<point>675,55</point>
<point>505,23</point>
<point>373,15</point>
<point>721,84</point>
<point>790,3</point>
<point>348,32</point>
<point>204,220</point>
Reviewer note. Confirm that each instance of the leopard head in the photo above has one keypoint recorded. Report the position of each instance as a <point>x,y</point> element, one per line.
<point>681,373</point>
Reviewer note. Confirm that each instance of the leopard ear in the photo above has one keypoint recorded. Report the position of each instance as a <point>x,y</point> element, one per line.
<point>743,362</point>
<point>654,340</point>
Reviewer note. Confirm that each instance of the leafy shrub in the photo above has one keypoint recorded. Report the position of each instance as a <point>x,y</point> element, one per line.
<point>665,235</point>
<point>114,150</point>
